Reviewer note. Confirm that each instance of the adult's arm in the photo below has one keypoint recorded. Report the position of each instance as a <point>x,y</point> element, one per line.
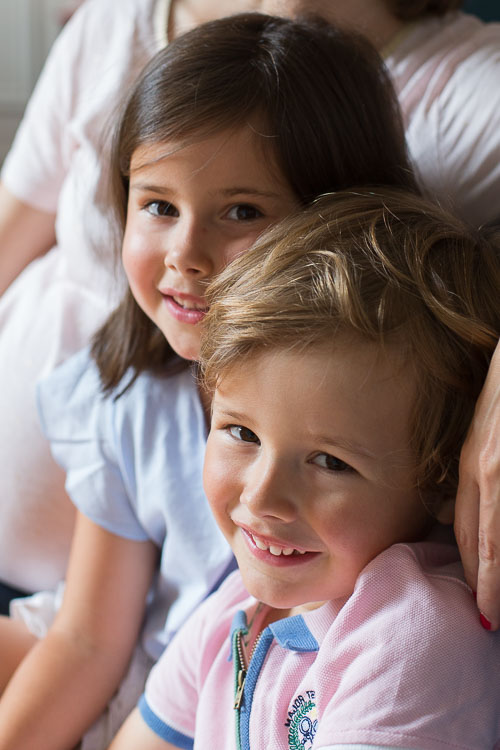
<point>477,524</point>
<point>67,679</point>
<point>40,156</point>
<point>25,233</point>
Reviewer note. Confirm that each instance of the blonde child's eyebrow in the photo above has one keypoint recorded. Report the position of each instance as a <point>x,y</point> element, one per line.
<point>231,415</point>
<point>326,441</point>
<point>347,445</point>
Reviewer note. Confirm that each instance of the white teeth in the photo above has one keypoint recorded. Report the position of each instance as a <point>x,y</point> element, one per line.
<point>274,549</point>
<point>259,544</point>
<point>187,305</point>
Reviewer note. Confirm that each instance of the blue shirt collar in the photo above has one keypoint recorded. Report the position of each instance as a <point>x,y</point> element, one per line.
<point>291,633</point>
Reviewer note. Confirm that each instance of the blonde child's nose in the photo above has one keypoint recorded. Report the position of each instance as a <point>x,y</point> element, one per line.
<point>267,493</point>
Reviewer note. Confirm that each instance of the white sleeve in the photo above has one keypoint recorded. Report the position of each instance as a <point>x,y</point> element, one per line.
<point>469,138</point>
<point>38,160</point>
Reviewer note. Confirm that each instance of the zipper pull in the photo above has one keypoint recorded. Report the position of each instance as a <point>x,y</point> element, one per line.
<point>242,675</point>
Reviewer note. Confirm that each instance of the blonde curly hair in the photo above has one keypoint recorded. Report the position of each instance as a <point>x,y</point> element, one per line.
<point>384,266</point>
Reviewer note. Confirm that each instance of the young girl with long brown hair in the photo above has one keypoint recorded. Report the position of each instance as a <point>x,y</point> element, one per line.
<point>227,132</point>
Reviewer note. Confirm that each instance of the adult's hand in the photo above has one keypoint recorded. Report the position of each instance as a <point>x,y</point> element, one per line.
<point>477,519</point>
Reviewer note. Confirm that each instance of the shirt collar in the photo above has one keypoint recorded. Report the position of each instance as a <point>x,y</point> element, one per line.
<point>290,633</point>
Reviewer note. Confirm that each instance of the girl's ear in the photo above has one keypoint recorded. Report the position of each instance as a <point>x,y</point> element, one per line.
<point>446,512</point>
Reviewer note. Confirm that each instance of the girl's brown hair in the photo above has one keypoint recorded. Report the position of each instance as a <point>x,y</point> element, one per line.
<point>326,111</point>
<point>383,266</point>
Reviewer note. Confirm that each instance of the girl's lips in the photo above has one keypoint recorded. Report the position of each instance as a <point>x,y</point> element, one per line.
<point>185,308</point>
<point>274,552</point>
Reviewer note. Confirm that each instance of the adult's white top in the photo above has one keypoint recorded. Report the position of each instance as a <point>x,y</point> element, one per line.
<point>447,75</point>
<point>55,305</point>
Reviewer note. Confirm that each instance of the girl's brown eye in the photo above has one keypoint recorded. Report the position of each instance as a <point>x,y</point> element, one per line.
<point>162,208</point>
<point>244,212</point>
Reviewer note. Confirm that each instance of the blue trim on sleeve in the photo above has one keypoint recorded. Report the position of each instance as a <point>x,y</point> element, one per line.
<point>163,730</point>
<point>292,633</point>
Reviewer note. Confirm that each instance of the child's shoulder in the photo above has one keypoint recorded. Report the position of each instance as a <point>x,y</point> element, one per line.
<point>71,400</point>
<point>420,584</point>
<point>407,590</point>
<point>407,647</point>
<point>410,609</point>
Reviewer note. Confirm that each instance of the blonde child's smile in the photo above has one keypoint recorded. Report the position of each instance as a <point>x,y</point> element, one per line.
<point>274,551</point>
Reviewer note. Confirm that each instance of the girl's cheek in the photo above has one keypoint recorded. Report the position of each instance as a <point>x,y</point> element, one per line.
<point>133,271</point>
<point>139,262</point>
<point>129,253</point>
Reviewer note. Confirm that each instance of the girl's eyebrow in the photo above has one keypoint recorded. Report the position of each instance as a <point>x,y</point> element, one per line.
<point>147,188</point>
<point>227,192</point>
<point>250,191</point>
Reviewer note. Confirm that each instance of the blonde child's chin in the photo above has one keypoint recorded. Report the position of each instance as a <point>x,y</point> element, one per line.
<point>282,599</point>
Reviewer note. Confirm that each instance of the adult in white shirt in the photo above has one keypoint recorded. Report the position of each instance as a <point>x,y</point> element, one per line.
<point>446,68</point>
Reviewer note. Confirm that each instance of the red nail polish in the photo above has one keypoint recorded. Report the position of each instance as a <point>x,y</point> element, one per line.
<point>484,622</point>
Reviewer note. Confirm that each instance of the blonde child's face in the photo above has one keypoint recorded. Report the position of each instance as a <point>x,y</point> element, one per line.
<point>309,471</point>
<point>191,210</point>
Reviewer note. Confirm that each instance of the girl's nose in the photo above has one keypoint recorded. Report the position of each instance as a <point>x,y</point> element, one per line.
<point>268,492</point>
<point>189,251</point>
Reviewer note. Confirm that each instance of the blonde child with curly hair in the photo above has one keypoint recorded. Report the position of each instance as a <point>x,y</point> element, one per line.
<point>345,353</point>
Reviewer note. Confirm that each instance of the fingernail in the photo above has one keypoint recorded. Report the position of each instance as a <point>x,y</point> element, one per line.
<point>484,622</point>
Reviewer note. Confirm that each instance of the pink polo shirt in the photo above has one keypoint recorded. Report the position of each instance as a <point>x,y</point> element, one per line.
<point>403,662</point>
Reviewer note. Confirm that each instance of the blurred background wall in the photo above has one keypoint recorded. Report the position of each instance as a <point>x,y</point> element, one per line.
<point>487,9</point>
<point>27,30</point>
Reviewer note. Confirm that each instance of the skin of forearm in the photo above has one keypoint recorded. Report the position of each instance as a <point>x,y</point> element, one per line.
<point>58,691</point>
<point>25,234</point>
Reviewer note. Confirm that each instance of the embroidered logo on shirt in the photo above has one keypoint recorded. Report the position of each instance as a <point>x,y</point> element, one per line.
<point>302,721</point>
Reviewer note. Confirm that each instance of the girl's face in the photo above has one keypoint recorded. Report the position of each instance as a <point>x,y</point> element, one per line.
<point>309,470</point>
<point>191,211</point>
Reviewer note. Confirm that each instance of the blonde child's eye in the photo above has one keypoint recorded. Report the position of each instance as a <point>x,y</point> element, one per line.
<point>332,463</point>
<point>161,208</point>
<point>242,433</point>
<point>244,212</point>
